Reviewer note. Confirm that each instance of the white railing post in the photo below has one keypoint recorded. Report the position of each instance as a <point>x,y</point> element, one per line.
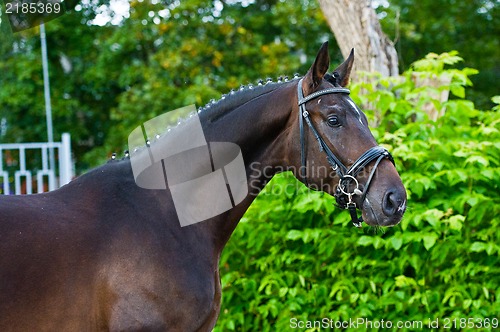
<point>22,172</point>
<point>4,175</point>
<point>65,169</point>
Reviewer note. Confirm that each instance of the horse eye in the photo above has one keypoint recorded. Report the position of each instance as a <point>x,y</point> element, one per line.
<point>333,121</point>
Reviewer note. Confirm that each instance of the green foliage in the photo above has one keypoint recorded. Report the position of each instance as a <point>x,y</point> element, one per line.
<point>470,27</point>
<point>294,255</point>
<point>164,56</point>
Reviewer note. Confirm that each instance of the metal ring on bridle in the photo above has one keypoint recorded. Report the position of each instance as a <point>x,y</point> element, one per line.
<point>341,187</point>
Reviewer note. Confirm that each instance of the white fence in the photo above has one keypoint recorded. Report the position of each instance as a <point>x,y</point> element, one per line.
<point>19,161</point>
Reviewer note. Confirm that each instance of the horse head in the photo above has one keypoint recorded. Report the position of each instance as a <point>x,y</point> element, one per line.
<point>339,154</point>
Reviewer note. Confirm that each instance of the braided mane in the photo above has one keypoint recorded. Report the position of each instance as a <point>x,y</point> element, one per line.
<point>245,93</point>
<point>228,102</point>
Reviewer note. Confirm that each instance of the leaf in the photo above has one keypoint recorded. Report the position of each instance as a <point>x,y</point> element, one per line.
<point>457,90</point>
<point>373,286</point>
<point>429,240</point>
<point>230,325</point>
<point>477,159</point>
<point>404,281</point>
<point>491,248</point>
<point>433,216</point>
<point>478,246</point>
<point>456,222</point>
<point>302,280</point>
<point>396,242</point>
<point>378,242</point>
<point>365,240</point>
<point>294,234</point>
<point>495,99</point>
<point>486,292</point>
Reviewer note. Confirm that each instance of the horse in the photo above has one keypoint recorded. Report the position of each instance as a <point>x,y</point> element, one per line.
<point>102,253</point>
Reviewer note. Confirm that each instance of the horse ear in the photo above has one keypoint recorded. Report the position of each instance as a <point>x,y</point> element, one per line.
<point>343,72</point>
<point>318,69</point>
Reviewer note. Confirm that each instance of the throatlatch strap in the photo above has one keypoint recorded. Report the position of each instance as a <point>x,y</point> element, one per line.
<point>303,156</point>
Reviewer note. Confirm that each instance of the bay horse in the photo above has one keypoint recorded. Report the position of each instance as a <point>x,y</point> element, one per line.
<point>103,254</point>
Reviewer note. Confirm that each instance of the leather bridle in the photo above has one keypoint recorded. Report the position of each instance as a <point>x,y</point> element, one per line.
<point>346,175</point>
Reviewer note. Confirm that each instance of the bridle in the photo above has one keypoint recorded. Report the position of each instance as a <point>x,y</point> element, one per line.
<point>346,175</point>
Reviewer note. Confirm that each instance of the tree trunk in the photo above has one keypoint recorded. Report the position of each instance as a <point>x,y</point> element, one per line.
<point>355,25</point>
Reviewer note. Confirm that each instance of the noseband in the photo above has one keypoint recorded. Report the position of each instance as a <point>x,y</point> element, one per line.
<point>346,175</point>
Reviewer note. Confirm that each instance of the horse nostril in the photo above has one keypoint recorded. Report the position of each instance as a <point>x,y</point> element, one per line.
<point>392,203</point>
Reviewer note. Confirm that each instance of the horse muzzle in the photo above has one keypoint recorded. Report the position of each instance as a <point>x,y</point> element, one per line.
<point>389,212</point>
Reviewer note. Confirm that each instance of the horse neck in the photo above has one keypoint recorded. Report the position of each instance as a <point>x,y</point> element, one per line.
<point>259,128</point>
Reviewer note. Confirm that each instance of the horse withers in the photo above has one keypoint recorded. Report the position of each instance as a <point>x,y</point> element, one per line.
<point>102,254</point>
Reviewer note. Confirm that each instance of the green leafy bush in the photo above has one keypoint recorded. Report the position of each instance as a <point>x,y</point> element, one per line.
<point>294,255</point>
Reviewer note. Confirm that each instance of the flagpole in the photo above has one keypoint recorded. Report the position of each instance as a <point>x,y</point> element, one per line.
<point>46,85</point>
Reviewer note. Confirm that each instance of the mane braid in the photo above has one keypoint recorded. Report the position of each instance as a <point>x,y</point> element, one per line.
<point>244,94</point>
<point>227,103</point>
